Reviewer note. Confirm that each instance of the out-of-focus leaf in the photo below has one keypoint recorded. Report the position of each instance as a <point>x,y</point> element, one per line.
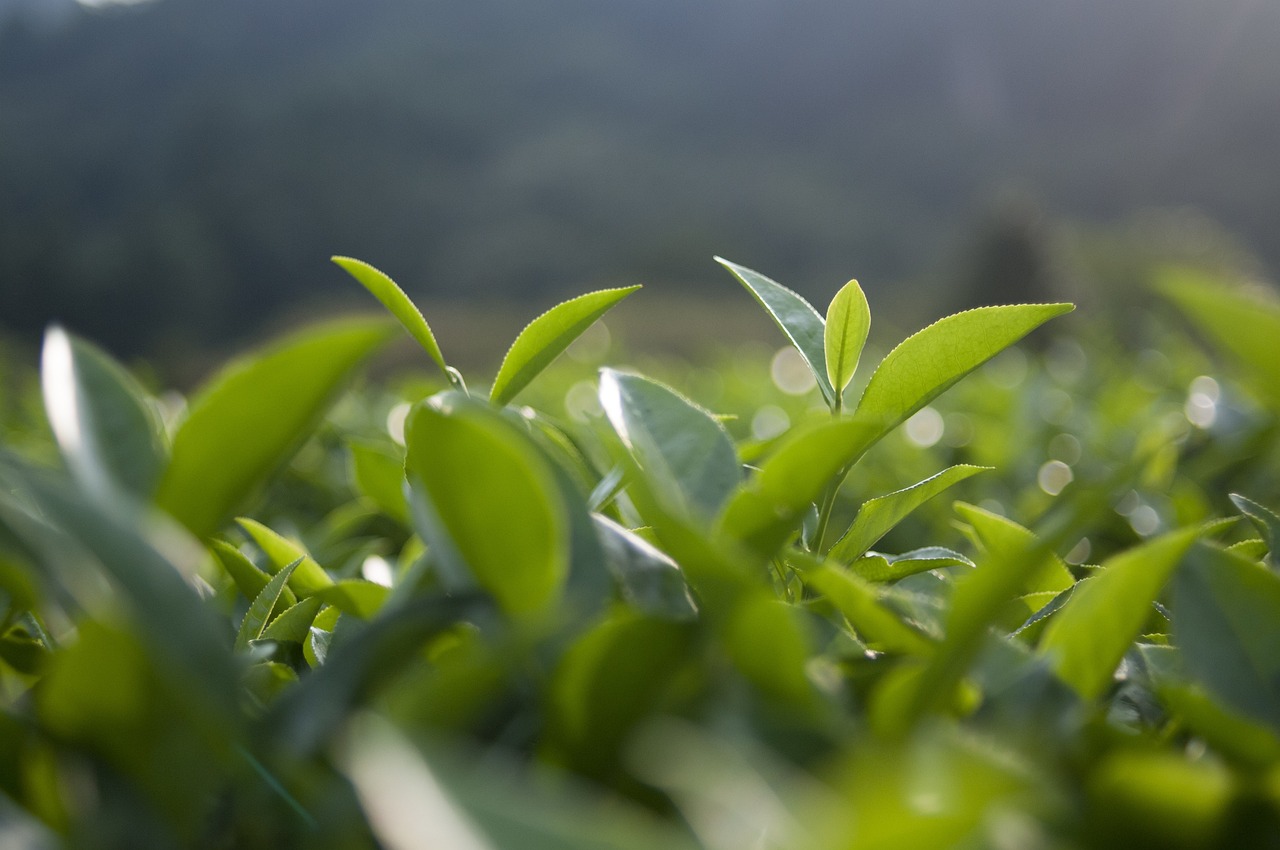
<point>769,644</point>
<point>394,299</point>
<point>848,321</point>
<point>878,516</point>
<point>768,507</point>
<point>491,500</point>
<point>251,417</point>
<point>356,597</point>
<point>259,613</point>
<point>1000,536</point>
<point>860,604</point>
<point>1226,624</point>
<point>926,364</point>
<point>110,437</point>
<point>683,452</point>
<point>1239,738</point>
<point>650,582</point>
<point>547,336</point>
<point>378,473</point>
<point>1085,640</point>
<point>1158,799</point>
<point>802,324</point>
<point>308,578</point>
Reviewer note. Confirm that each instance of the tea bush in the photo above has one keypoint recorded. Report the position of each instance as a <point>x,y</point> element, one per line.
<point>291,613</point>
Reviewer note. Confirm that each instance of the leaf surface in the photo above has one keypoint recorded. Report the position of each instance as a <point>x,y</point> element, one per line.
<point>397,302</point>
<point>847,325</point>
<point>308,578</point>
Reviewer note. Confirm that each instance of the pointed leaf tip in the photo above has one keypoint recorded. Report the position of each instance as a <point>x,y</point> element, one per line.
<point>386,290</point>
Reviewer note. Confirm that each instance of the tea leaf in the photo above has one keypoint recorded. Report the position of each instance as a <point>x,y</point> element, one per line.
<point>860,604</point>
<point>680,448</point>
<point>251,418</point>
<point>356,597</point>
<point>378,473</point>
<point>1086,639</point>
<point>308,578</point>
<point>294,623</point>
<point>397,302</point>
<point>249,580</point>
<point>1266,521</point>
<point>848,321</point>
<point>795,316</point>
<point>491,499</point>
<point>547,336</point>
<point>109,435</point>
<point>878,516</point>
<point>650,581</point>
<point>259,613</point>
<point>888,568</point>
<point>929,362</point>
<point>1001,537</point>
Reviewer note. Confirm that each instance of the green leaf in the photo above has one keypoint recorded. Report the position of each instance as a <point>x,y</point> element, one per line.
<point>490,499</point>
<point>110,437</point>
<point>1244,325</point>
<point>547,336</point>
<point>309,577</point>
<point>294,623</point>
<point>889,568</point>
<point>848,321</point>
<point>1226,623</point>
<point>768,642</point>
<point>378,473</point>
<point>878,516</point>
<point>768,506</point>
<point>926,364</point>
<point>1268,524</point>
<point>860,604</point>
<point>681,449</point>
<point>259,613</point>
<point>249,580</point>
<point>1000,538</point>
<point>1086,639</point>
<point>395,300</point>
<point>356,597</point>
<point>795,316</point>
<point>252,417</point>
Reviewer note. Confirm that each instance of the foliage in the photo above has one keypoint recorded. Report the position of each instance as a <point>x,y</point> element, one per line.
<point>444,620</point>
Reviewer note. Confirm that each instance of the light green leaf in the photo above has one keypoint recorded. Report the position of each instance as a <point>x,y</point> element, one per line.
<point>259,613</point>
<point>491,500</point>
<point>681,449</point>
<point>1245,325</point>
<point>394,299</point>
<point>308,578</point>
<point>249,580</point>
<point>1226,624</point>
<point>110,437</point>
<point>1086,639</point>
<point>252,417</point>
<point>848,321</point>
<point>769,505</point>
<point>1000,538</point>
<point>378,473</point>
<point>889,568</point>
<point>878,516</point>
<point>356,597</point>
<point>795,316</point>
<point>547,336</point>
<point>294,623</point>
<point>860,604</point>
<point>926,364</point>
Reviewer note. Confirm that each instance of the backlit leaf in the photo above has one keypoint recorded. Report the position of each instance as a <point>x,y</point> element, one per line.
<point>848,321</point>
<point>259,613</point>
<point>397,302</point>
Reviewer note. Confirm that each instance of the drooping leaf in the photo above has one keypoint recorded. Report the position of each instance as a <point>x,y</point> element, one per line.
<point>1243,324</point>
<point>681,449</point>
<point>769,505</point>
<point>878,516</point>
<point>490,499</point>
<point>802,324</point>
<point>394,299</point>
<point>250,418</point>
<point>926,364</point>
<point>258,616</point>
<point>847,325</point>
<point>378,473</point>
<point>1085,640</point>
<point>308,578</point>
<point>110,437</point>
<point>1226,624</point>
<point>547,336</point>
<point>889,568</point>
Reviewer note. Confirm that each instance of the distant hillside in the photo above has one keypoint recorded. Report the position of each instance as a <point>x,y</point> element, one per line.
<point>182,170</point>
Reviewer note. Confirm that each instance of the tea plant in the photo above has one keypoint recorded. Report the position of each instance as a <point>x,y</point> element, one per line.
<point>270,620</point>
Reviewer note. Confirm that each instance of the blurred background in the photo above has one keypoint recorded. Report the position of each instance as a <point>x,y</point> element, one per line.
<point>174,174</point>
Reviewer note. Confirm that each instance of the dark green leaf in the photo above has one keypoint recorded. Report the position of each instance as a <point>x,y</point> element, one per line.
<point>378,473</point>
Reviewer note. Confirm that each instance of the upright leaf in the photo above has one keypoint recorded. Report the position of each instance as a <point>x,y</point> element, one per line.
<point>878,516</point>
<point>1226,623</point>
<point>249,580</point>
<point>547,336</point>
<point>394,299</point>
<point>111,439</point>
<point>1086,639</point>
<point>1266,521</point>
<point>684,452</point>
<point>258,616</point>
<point>848,321</point>
<point>251,418</point>
<point>795,316</point>
<point>308,578</point>
<point>926,364</point>
<point>491,499</point>
<point>1001,537</point>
